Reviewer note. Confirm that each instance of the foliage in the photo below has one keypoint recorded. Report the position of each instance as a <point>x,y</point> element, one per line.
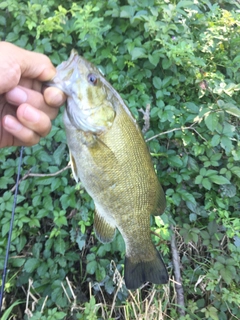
<point>182,58</point>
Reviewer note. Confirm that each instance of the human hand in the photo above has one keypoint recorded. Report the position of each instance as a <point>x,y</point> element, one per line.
<point>25,111</point>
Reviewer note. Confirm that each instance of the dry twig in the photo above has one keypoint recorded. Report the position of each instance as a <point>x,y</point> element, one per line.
<point>177,274</point>
<point>177,129</point>
<point>43,175</point>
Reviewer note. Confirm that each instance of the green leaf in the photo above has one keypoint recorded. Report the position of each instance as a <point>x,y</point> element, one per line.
<point>236,170</point>
<point>236,154</point>
<point>21,243</point>
<point>205,235</point>
<point>212,313</point>
<point>184,4</point>
<point>137,53</point>
<point>34,222</point>
<point>91,267</point>
<point>2,21</point>
<point>42,269</point>
<point>154,58</point>
<point>206,183</point>
<point>109,286</point>
<point>56,183</point>
<point>175,161</point>
<point>44,180</point>
<point>166,63</point>
<point>211,121</point>
<point>228,190</point>
<point>59,315</point>
<point>198,179</point>
<point>157,82</point>
<point>226,143</point>
<point>232,109</point>
<point>7,313</point>
<point>192,217</point>
<point>81,241</point>
<point>36,201</point>
<point>31,265</point>
<point>166,81</point>
<point>227,274</point>
<point>216,156</point>
<point>44,156</point>
<point>127,11</point>
<point>60,245</point>
<point>4,4</point>
<point>194,237</point>
<point>219,179</point>
<point>7,195</point>
<point>61,221</point>
<point>4,181</point>
<point>100,273</point>
<point>91,257</point>
<point>210,172</point>
<point>58,153</point>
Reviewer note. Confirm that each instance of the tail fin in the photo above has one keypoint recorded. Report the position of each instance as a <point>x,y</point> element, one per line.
<point>137,273</point>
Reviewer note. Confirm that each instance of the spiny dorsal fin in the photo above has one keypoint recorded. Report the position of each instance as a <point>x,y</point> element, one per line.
<point>105,232</point>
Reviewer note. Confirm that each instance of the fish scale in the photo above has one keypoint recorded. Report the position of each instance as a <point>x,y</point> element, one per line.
<point>110,157</point>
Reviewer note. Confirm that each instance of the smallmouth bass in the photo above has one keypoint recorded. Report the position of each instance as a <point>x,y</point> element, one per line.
<point>110,157</point>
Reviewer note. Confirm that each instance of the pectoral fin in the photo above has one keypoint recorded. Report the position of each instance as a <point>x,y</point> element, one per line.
<point>104,231</point>
<point>73,167</point>
<point>99,151</point>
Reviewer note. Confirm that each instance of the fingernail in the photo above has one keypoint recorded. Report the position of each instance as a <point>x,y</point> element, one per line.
<point>12,124</point>
<point>16,96</point>
<point>31,114</point>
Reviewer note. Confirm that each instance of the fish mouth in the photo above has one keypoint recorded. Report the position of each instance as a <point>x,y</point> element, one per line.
<point>72,75</point>
<point>72,59</point>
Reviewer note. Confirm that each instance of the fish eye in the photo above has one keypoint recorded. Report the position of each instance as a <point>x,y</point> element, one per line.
<point>92,79</point>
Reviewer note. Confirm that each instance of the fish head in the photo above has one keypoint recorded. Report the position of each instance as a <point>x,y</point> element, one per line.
<point>89,103</point>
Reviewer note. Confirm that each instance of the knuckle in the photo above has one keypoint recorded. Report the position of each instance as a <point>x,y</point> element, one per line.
<point>14,73</point>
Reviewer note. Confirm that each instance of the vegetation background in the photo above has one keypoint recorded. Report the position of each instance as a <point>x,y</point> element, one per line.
<point>181,58</point>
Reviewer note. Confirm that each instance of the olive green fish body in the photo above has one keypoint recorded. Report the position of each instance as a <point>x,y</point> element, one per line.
<point>111,159</point>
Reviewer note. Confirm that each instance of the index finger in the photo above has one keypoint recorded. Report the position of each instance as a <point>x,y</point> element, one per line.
<point>17,62</point>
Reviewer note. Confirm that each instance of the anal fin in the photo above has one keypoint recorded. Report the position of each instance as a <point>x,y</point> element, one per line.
<point>104,231</point>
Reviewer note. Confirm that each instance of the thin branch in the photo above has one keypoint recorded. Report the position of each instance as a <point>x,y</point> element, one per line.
<point>177,274</point>
<point>177,129</point>
<point>65,291</point>
<point>29,174</point>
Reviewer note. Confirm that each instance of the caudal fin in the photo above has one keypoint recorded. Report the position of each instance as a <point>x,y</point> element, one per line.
<point>136,274</point>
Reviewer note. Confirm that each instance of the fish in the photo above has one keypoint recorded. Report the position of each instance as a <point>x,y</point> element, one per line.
<point>110,158</point>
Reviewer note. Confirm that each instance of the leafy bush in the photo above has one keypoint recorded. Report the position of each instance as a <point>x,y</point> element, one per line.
<point>181,58</point>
